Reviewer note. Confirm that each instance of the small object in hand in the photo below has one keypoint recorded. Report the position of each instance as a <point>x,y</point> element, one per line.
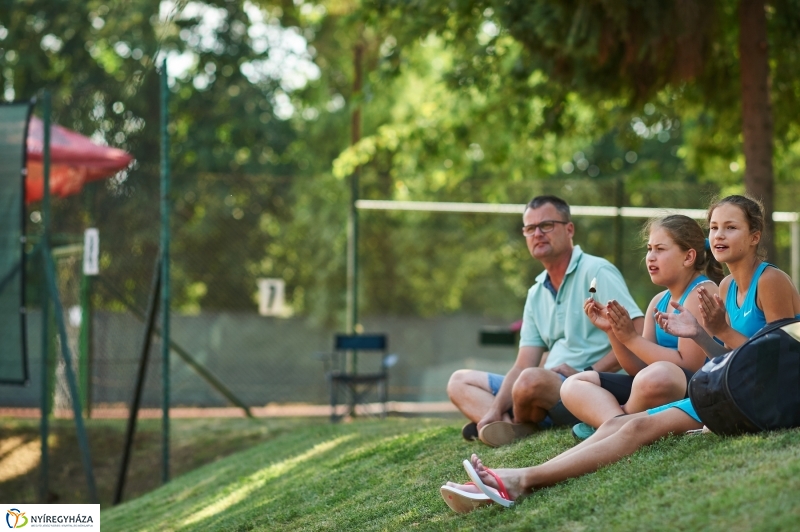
<point>593,286</point>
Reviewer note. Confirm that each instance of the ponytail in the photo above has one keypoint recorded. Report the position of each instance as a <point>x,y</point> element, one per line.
<point>713,269</point>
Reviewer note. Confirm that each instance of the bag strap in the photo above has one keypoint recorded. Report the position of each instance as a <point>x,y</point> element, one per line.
<point>771,326</point>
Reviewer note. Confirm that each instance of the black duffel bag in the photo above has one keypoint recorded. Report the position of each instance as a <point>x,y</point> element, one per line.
<point>756,386</point>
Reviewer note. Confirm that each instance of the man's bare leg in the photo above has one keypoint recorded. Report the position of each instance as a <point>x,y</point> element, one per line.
<point>469,391</point>
<point>535,391</point>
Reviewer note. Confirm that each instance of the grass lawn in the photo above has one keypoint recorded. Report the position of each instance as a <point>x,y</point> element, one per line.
<point>373,475</point>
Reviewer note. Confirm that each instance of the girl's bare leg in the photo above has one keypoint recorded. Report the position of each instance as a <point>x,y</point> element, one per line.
<point>658,384</point>
<point>639,430</point>
<point>606,429</point>
<point>587,400</point>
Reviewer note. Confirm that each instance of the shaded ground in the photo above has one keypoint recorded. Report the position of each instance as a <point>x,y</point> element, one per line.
<point>194,442</point>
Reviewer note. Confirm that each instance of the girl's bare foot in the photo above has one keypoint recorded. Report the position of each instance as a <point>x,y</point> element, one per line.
<point>511,478</point>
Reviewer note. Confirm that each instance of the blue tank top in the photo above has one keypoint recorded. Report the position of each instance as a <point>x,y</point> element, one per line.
<point>663,338</point>
<point>748,318</point>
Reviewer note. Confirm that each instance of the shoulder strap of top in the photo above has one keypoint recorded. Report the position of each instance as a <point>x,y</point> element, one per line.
<point>696,281</point>
<point>663,303</point>
<point>752,292</point>
<point>730,297</point>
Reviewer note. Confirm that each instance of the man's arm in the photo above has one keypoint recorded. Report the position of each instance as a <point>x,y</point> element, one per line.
<point>527,357</point>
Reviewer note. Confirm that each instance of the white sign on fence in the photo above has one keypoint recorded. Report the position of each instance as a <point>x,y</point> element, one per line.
<point>91,251</point>
<point>270,297</point>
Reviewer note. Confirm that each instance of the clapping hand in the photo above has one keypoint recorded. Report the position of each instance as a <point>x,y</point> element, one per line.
<point>712,312</point>
<point>680,323</point>
<point>621,322</point>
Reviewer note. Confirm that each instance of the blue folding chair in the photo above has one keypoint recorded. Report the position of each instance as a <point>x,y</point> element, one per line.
<point>357,377</point>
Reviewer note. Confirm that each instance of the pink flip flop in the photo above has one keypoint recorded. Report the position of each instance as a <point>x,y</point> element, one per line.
<point>500,496</point>
<point>461,501</point>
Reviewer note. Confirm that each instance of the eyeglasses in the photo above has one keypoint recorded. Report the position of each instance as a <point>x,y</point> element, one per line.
<point>545,227</point>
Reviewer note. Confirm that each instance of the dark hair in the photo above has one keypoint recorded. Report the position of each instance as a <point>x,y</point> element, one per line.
<point>687,234</point>
<point>753,212</point>
<point>560,205</point>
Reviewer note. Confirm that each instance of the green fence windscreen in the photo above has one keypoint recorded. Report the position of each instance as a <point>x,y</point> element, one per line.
<point>13,132</point>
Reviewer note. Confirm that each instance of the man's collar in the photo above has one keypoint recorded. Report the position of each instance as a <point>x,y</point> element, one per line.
<point>573,263</point>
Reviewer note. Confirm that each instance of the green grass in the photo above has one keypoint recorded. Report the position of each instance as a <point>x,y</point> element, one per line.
<point>373,475</point>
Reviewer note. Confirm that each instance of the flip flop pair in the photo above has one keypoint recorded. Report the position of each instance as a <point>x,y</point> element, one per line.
<point>463,502</point>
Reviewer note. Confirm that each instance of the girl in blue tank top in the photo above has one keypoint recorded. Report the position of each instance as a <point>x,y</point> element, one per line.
<point>754,294</point>
<point>664,338</point>
<point>747,318</point>
<point>676,258</point>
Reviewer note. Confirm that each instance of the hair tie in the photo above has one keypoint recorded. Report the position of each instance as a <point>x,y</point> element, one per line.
<point>708,245</point>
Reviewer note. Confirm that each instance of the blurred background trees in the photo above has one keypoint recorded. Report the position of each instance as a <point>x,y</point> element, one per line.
<point>608,103</point>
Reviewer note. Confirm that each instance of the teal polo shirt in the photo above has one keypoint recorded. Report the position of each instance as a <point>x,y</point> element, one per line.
<point>558,323</point>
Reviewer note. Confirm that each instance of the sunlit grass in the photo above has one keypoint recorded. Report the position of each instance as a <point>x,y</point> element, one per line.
<point>385,475</point>
<point>18,456</point>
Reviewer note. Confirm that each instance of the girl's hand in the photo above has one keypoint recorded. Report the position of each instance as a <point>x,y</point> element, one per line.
<point>712,312</point>
<point>681,324</point>
<point>621,322</point>
<point>595,312</point>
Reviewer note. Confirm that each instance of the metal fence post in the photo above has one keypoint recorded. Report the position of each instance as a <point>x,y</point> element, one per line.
<point>165,295</point>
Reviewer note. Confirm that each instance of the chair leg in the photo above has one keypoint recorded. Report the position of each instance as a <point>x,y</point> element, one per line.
<point>333,385</point>
<point>384,385</point>
<point>354,399</point>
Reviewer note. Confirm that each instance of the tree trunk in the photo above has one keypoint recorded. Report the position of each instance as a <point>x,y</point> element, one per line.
<point>757,111</point>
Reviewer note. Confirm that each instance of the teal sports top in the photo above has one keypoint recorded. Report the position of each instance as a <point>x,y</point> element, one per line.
<point>663,338</point>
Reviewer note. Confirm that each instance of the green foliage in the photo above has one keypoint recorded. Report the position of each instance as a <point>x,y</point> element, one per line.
<point>470,100</point>
<point>386,476</point>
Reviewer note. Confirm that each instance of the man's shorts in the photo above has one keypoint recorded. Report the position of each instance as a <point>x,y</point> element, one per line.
<point>620,385</point>
<point>495,381</point>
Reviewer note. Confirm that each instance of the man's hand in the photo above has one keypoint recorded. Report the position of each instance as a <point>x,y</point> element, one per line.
<point>491,417</point>
<point>565,370</point>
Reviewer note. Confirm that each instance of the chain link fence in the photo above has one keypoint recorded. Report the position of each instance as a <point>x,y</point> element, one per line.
<point>448,276</point>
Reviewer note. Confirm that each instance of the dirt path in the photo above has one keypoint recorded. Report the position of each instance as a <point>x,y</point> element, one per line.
<point>121,412</point>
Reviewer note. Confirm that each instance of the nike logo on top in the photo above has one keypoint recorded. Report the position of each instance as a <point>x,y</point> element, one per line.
<point>748,312</point>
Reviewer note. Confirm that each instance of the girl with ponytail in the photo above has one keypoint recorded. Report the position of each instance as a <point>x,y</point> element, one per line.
<point>658,364</point>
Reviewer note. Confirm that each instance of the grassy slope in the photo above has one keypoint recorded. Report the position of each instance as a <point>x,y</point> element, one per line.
<point>193,443</point>
<point>375,475</point>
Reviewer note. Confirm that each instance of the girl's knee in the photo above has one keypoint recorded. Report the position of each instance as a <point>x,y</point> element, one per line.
<point>575,386</point>
<point>645,429</point>
<point>659,379</point>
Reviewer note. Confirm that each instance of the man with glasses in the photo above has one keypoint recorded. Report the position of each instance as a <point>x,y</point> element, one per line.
<point>504,408</point>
